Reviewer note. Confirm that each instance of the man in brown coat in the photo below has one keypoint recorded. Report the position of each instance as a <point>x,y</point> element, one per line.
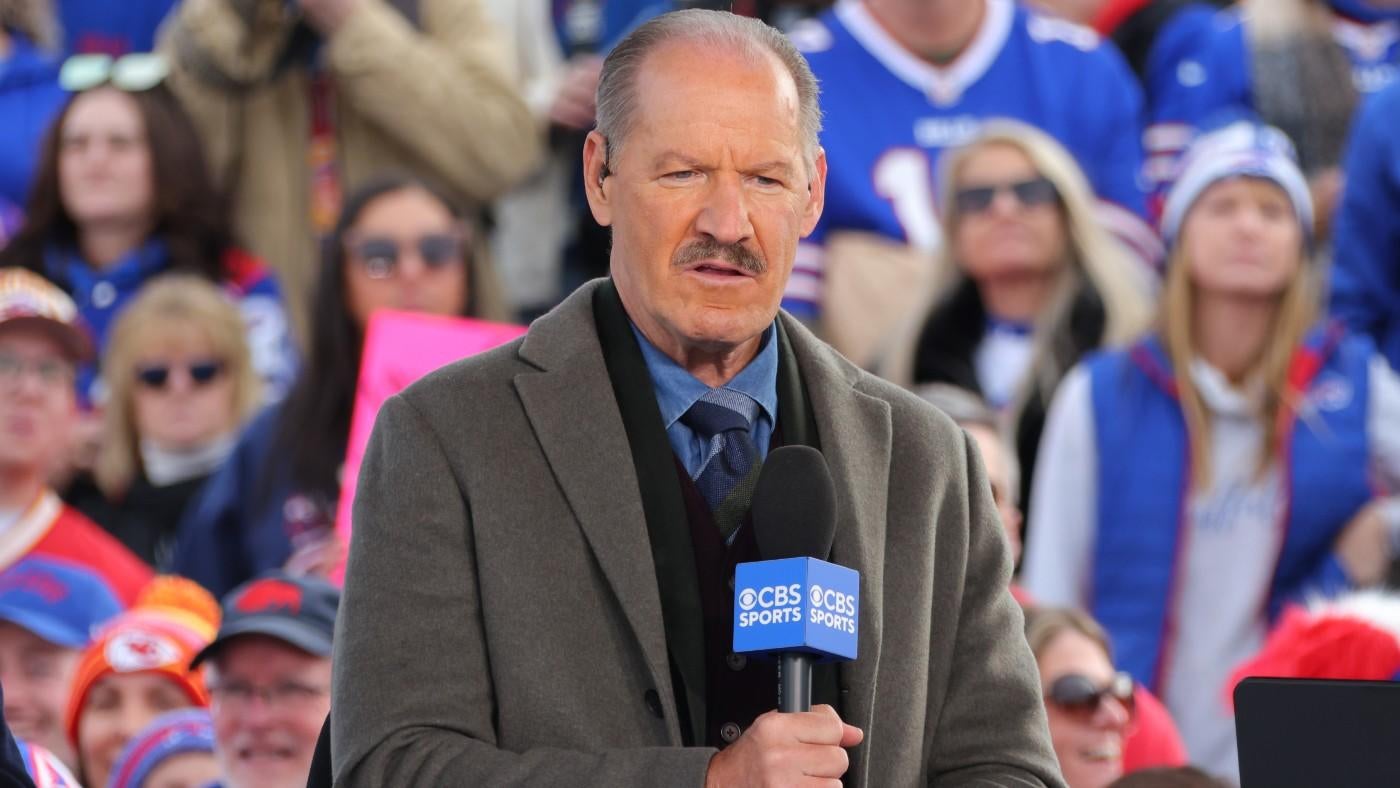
<point>537,591</point>
<point>301,101</point>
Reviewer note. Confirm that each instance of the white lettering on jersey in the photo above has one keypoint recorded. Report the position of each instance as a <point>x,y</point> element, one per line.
<point>1045,29</point>
<point>946,132</point>
<point>904,177</point>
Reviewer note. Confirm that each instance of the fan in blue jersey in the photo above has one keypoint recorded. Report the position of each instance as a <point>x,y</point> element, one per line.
<point>904,80</point>
<point>1366,269</point>
<point>1300,65</point>
<point>1154,35</point>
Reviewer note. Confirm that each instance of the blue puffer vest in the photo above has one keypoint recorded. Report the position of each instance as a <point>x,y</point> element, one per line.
<point>1144,482</point>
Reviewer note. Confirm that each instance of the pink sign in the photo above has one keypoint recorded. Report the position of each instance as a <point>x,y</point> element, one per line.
<point>400,348</point>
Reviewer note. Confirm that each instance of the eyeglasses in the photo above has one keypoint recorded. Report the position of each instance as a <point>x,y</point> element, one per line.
<point>1036,191</point>
<point>379,255</point>
<point>49,371</point>
<point>1077,695</point>
<point>133,73</point>
<point>237,696</point>
<point>157,376</point>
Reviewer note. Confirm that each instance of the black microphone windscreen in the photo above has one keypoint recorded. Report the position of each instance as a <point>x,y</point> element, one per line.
<point>794,505</point>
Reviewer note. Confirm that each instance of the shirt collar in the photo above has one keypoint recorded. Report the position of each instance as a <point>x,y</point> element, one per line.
<point>677,389</point>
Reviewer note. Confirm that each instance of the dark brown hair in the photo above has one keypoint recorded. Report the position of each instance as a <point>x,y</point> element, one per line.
<point>190,214</point>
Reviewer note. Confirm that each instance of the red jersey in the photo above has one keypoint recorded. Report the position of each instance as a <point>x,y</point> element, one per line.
<point>51,528</point>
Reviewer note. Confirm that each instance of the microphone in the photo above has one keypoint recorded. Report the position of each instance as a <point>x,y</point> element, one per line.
<point>793,603</point>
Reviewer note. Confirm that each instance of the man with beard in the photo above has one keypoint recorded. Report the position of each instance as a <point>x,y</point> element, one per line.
<point>269,675</point>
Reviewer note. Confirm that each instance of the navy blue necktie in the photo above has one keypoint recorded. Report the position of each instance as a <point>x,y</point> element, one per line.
<point>723,419</point>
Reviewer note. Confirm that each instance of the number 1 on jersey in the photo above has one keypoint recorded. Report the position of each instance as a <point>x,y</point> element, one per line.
<point>904,176</point>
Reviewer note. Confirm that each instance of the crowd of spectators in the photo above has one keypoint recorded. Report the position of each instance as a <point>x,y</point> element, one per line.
<point>1146,252</point>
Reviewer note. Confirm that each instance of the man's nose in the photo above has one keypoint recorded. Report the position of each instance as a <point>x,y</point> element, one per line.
<point>725,215</point>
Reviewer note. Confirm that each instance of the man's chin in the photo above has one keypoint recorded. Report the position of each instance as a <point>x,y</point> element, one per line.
<point>726,337</point>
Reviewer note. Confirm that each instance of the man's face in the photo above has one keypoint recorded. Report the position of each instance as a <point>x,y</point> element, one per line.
<point>708,197</point>
<point>37,676</point>
<point>270,700</point>
<point>37,403</point>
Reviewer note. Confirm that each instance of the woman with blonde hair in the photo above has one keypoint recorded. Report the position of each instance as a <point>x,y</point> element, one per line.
<point>1029,280</point>
<point>1192,484</point>
<point>181,384</point>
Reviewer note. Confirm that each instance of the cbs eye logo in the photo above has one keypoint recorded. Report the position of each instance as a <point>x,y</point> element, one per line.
<point>816,595</point>
<point>748,598</point>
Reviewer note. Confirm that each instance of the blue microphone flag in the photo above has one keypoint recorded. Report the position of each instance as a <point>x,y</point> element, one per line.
<point>797,605</point>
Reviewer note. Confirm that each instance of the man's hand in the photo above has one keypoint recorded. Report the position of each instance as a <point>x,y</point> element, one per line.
<point>803,749</point>
<point>327,16</point>
<point>1364,545</point>
<point>575,105</point>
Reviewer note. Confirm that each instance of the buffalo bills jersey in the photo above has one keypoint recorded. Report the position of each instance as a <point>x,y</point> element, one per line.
<point>889,115</point>
<point>1216,79</point>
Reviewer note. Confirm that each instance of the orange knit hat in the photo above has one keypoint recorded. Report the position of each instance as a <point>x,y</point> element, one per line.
<point>171,621</point>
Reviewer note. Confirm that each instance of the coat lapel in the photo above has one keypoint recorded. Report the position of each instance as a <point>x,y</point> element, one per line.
<point>856,437</point>
<point>573,412</point>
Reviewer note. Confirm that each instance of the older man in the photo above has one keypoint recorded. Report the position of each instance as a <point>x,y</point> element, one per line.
<point>538,584</point>
<point>269,673</point>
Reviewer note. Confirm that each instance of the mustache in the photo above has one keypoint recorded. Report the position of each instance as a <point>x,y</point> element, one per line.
<point>734,254</point>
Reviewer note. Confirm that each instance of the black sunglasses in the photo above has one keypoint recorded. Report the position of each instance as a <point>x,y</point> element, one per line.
<point>1036,191</point>
<point>380,254</point>
<point>156,376</point>
<point>1078,695</point>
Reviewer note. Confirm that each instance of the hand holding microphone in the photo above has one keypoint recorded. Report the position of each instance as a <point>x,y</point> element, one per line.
<point>786,749</point>
<point>797,607</point>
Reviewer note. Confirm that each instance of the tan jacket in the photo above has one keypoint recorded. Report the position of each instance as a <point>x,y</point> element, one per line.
<point>502,623</point>
<point>436,100</point>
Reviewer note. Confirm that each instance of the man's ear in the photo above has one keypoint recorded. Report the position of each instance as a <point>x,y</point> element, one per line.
<point>816,194</point>
<point>595,177</point>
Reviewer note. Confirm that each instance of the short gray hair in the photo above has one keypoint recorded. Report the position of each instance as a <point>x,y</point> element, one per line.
<point>617,94</point>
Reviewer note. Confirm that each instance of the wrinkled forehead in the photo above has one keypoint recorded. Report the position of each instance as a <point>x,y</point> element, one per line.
<point>701,94</point>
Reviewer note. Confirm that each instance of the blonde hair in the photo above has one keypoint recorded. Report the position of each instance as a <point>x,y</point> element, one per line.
<point>1091,253</point>
<point>1044,624</point>
<point>173,305</point>
<point>1297,311</point>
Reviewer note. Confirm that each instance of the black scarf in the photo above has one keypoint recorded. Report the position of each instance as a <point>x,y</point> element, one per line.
<point>654,462</point>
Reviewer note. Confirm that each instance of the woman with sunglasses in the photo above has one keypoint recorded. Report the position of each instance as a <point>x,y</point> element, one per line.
<point>123,194</point>
<point>1028,282</point>
<point>29,92</point>
<point>1232,461</point>
<point>1090,705</point>
<point>398,245</point>
<point>180,386</point>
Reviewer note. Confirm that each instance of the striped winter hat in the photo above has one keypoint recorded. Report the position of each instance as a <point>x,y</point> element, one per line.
<point>1243,149</point>
<point>171,734</point>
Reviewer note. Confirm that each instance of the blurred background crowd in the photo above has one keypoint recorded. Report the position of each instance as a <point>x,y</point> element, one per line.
<point>1147,252</point>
